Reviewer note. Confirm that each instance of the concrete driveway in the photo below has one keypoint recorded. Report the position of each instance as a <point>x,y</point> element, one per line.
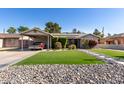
<point>11,57</point>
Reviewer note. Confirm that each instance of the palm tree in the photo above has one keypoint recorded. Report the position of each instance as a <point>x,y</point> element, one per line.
<point>52,27</point>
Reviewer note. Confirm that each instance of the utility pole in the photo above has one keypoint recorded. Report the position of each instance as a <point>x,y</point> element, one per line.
<point>4,30</point>
<point>103,29</point>
<point>103,32</point>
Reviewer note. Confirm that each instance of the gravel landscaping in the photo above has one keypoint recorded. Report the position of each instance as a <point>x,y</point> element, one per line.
<point>63,74</point>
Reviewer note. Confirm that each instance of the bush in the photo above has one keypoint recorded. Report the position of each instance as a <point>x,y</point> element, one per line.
<point>85,43</point>
<point>92,43</point>
<point>63,41</point>
<point>54,40</point>
<point>58,45</point>
<point>72,46</point>
<point>88,43</point>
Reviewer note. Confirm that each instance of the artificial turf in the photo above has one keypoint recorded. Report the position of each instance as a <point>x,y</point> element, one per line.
<point>112,53</point>
<point>61,57</point>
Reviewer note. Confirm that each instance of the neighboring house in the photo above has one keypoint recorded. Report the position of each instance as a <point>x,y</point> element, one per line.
<point>116,39</point>
<point>9,40</point>
<point>112,42</point>
<point>25,39</point>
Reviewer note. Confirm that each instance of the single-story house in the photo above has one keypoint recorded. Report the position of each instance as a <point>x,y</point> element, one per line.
<point>117,39</point>
<point>25,39</point>
<point>9,40</point>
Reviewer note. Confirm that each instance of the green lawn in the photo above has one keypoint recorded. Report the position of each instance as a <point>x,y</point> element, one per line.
<point>61,57</point>
<point>112,53</point>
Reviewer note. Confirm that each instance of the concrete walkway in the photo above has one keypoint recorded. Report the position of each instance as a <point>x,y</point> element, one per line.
<point>102,57</point>
<point>11,57</point>
<point>116,50</point>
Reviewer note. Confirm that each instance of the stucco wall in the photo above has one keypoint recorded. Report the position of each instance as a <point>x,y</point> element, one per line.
<point>91,37</point>
<point>1,43</point>
<point>88,37</point>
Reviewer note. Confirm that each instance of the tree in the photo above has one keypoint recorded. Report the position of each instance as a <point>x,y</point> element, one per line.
<point>74,31</point>
<point>78,32</point>
<point>97,32</point>
<point>22,29</point>
<point>109,34</point>
<point>52,27</point>
<point>57,28</point>
<point>11,30</point>
<point>49,27</point>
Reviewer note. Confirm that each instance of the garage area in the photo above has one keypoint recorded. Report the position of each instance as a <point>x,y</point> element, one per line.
<point>9,40</point>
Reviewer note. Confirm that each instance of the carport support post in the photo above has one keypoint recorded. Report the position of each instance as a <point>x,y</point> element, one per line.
<point>48,42</point>
<point>22,43</point>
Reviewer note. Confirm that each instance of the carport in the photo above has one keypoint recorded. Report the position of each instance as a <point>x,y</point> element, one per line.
<point>36,35</point>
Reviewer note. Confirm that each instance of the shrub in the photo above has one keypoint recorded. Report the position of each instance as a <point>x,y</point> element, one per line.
<point>85,43</point>
<point>72,46</point>
<point>63,41</point>
<point>88,43</point>
<point>54,40</point>
<point>92,43</point>
<point>58,45</point>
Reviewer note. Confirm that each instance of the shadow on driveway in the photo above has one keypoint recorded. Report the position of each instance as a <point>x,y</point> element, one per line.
<point>3,65</point>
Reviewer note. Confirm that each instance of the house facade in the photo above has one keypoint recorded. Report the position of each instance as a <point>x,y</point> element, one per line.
<point>117,39</point>
<point>9,40</point>
<point>27,38</point>
<point>112,42</point>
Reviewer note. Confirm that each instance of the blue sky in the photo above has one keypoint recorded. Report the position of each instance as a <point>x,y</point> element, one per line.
<point>86,20</point>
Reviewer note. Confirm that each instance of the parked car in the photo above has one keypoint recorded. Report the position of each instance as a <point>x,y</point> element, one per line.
<point>37,45</point>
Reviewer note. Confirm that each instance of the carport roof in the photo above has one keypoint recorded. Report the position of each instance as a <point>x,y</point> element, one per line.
<point>35,32</point>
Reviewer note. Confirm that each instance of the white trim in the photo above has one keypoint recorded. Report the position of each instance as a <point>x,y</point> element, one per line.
<point>48,42</point>
<point>1,43</point>
<point>22,43</point>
